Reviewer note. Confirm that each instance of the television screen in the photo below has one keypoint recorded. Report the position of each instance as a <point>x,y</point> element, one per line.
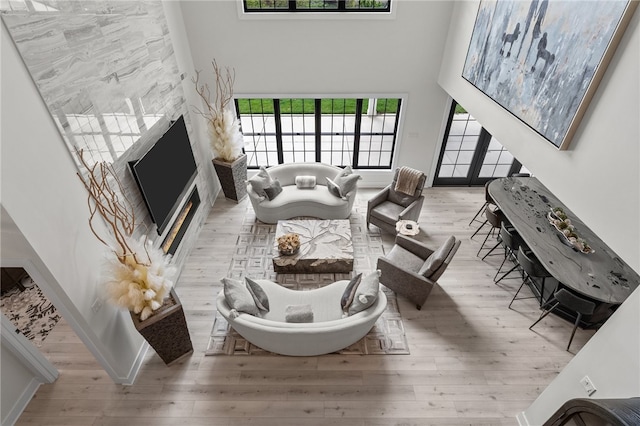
<point>165,172</point>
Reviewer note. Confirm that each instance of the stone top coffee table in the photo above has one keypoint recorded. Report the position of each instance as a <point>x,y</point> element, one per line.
<point>325,246</point>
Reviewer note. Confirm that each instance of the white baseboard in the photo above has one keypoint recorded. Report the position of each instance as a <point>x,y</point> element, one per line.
<point>16,411</point>
<point>135,368</point>
<point>522,419</point>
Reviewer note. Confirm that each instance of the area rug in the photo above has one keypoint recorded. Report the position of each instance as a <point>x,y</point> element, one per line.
<point>30,311</point>
<point>253,258</point>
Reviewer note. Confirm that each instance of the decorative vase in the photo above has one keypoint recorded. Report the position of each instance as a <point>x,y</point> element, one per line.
<point>233,177</point>
<point>166,330</point>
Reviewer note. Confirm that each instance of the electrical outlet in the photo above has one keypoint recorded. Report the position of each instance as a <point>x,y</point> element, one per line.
<point>588,385</point>
<point>96,305</point>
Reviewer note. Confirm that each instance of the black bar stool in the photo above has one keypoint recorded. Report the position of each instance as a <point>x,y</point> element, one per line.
<point>567,298</point>
<point>511,241</point>
<point>532,269</point>
<point>495,219</point>
<point>487,202</point>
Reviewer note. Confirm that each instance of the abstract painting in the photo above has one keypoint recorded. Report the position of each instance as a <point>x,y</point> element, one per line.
<point>542,60</point>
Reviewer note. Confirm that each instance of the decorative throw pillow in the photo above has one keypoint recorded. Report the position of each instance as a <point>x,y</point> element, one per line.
<point>260,181</point>
<point>239,297</point>
<point>434,261</point>
<point>347,184</point>
<point>367,293</point>
<point>259,296</point>
<point>273,190</point>
<point>333,188</point>
<point>305,182</point>
<point>350,292</point>
<point>298,313</point>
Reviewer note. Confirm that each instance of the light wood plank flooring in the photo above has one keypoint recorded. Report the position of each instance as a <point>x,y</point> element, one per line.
<point>472,362</point>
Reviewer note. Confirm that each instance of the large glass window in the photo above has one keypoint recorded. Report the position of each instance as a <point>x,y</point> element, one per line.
<point>252,6</point>
<point>470,155</point>
<point>342,131</point>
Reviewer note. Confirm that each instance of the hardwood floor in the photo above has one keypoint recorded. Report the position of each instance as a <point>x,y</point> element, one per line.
<point>473,361</point>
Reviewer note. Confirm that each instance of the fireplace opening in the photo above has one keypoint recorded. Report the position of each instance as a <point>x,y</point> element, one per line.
<point>181,224</point>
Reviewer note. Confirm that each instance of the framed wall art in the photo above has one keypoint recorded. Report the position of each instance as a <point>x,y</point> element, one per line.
<point>542,60</point>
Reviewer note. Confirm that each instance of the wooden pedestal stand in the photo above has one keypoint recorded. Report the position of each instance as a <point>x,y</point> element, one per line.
<point>166,330</point>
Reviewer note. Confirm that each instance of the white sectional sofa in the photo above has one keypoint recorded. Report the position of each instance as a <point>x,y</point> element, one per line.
<point>292,202</point>
<point>329,331</point>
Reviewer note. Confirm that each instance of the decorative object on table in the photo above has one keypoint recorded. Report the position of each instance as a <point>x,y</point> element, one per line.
<point>227,141</point>
<point>407,227</point>
<point>544,57</point>
<point>562,223</point>
<point>289,244</point>
<point>138,276</point>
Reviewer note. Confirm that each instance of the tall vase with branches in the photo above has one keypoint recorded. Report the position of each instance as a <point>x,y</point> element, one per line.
<point>226,139</point>
<point>224,128</point>
<point>138,276</point>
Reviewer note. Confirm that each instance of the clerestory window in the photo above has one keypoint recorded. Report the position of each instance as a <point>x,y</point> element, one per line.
<point>357,132</point>
<point>260,6</point>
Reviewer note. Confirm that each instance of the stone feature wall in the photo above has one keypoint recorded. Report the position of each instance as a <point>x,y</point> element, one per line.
<point>108,74</point>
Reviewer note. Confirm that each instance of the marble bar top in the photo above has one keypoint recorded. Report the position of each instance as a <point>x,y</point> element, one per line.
<point>600,275</point>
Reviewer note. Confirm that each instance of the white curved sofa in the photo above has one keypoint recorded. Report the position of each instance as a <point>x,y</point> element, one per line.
<point>292,202</point>
<point>328,333</point>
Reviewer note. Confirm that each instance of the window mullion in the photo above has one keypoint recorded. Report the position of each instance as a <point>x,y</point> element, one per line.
<point>318,118</point>
<point>277,117</point>
<point>356,133</point>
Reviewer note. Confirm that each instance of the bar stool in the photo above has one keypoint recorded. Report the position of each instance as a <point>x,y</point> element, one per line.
<point>532,268</point>
<point>488,200</point>
<point>495,219</point>
<point>570,300</point>
<point>511,241</point>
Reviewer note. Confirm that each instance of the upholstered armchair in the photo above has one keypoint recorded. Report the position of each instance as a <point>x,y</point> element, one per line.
<point>412,269</point>
<point>389,205</point>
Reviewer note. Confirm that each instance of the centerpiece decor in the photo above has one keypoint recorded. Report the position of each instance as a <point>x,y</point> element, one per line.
<point>559,219</point>
<point>289,244</point>
<point>227,142</point>
<point>138,276</point>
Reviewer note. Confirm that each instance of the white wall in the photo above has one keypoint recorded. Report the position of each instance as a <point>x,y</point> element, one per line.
<point>18,385</point>
<point>598,178</point>
<point>298,56</point>
<point>47,204</point>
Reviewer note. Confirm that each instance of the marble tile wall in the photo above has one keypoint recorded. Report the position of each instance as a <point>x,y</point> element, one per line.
<point>107,72</point>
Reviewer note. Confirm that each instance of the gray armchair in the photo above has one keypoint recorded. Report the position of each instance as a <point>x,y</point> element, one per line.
<point>389,206</point>
<point>412,269</point>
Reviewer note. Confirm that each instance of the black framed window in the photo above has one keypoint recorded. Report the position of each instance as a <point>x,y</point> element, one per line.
<point>470,155</point>
<point>261,6</point>
<point>340,131</point>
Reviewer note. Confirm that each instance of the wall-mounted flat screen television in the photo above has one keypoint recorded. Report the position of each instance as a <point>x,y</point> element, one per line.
<point>165,173</point>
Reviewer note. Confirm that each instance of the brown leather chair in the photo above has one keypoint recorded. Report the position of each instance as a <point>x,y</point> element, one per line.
<point>412,269</point>
<point>389,206</point>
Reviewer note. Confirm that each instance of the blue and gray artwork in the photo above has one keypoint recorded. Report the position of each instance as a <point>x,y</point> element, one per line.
<point>537,58</point>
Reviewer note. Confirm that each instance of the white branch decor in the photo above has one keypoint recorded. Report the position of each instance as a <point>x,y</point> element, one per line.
<point>139,275</point>
<point>224,128</point>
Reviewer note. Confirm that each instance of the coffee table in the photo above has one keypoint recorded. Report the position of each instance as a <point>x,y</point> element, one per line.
<point>325,246</point>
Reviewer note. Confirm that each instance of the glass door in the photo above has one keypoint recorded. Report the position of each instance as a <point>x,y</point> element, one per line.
<point>470,156</point>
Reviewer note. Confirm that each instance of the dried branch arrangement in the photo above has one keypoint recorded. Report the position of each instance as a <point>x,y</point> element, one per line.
<point>139,277</point>
<point>224,128</point>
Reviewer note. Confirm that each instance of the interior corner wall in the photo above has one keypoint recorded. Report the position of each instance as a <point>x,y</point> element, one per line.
<point>298,55</point>
<point>598,177</point>
<point>48,206</point>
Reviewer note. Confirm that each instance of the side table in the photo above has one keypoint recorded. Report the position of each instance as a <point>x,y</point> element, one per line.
<point>407,227</point>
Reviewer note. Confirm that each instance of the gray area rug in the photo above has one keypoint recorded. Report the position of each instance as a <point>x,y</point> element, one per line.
<point>253,258</point>
<point>30,311</point>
